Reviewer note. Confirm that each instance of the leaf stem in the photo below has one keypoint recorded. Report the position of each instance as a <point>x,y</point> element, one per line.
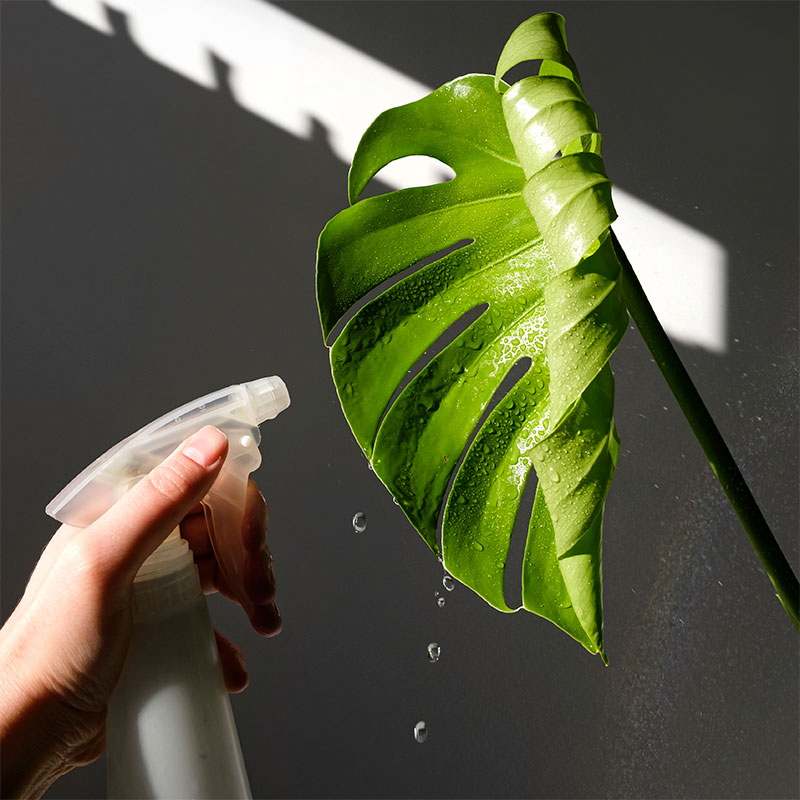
<point>710,439</point>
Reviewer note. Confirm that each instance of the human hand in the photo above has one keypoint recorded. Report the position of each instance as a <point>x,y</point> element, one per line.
<point>63,647</point>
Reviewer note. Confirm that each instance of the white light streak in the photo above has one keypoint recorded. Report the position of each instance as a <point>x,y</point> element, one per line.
<point>291,73</point>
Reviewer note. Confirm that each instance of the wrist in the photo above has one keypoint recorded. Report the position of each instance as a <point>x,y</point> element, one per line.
<point>30,756</point>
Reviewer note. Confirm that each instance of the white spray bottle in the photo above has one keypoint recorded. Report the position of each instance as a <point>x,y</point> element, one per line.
<point>171,731</point>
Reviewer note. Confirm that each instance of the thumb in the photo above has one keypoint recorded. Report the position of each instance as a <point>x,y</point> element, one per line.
<point>137,524</point>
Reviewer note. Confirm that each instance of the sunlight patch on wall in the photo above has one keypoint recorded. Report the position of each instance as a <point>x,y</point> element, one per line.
<point>292,74</point>
<point>683,271</point>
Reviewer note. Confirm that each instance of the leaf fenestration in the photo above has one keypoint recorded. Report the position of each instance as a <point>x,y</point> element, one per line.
<point>541,266</point>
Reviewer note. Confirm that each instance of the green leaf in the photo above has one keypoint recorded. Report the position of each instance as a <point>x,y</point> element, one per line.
<point>533,265</point>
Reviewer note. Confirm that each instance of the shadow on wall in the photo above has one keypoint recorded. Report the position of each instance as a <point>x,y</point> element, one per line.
<point>222,44</point>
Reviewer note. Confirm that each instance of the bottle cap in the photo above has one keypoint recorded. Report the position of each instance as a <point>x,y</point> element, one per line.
<point>167,581</point>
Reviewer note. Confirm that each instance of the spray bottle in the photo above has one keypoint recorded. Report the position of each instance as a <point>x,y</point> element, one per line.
<point>170,727</point>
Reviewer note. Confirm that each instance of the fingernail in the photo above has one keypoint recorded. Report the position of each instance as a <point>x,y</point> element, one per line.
<point>206,446</point>
<point>267,620</point>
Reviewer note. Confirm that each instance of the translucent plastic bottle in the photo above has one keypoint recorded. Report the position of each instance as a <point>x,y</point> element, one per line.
<point>171,732</point>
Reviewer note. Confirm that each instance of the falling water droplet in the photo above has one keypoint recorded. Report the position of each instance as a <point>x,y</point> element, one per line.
<point>448,582</point>
<point>440,602</point>
<point>421,731</point>
<point>434,651</point>
<point>360,522</point>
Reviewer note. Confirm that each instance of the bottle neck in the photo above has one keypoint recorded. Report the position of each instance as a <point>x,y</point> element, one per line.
<point>167,581</point>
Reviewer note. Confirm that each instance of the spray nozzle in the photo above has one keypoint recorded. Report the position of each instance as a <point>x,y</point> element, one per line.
<point>237,411</point>
<point>269,397</point>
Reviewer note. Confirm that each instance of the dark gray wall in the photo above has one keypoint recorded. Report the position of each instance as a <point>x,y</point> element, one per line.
<point>158,243</point>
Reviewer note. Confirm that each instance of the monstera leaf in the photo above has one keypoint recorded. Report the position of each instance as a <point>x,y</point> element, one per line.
<point>520,251</point>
